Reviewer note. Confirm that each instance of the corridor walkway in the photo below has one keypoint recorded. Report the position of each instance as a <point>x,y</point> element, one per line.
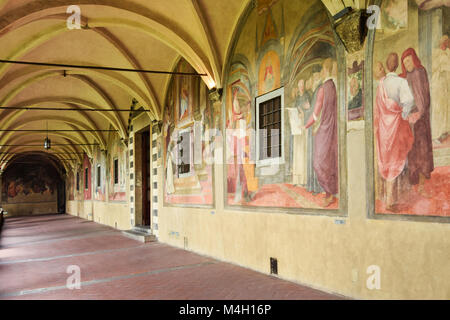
<point>36,251</point>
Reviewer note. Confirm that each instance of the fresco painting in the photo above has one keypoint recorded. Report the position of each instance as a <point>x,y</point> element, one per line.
<point>25,183</point>
<point>411,116</point>
<point>431,4</point>
<point>87,180</point>
<point>187,137</point>
<point>355,89</point>
<point>117,191</point>
<point>241,180</point>
<point>307,177</point>
<point>78,192</point>
<point>394,15</point>
<point>264,5</point>
<point>440,117</point>
<point>184,95</point>
<point>269,73</point>
<point>99,160</point>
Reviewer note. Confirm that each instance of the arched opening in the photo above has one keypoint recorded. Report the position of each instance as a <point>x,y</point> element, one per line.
<point>33,183</point>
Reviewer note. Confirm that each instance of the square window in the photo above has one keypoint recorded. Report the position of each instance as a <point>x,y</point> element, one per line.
<point>116,171</point>
<point>269,125</point>
<point>99,176</point>
<point>86,178</point>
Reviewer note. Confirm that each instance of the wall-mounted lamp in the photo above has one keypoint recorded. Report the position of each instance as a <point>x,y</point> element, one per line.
<point>349,17</point>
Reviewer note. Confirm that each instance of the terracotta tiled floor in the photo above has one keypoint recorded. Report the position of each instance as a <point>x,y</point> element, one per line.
<point>36,251</point>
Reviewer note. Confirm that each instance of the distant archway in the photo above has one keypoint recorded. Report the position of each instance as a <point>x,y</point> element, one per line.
<point>33,183</point>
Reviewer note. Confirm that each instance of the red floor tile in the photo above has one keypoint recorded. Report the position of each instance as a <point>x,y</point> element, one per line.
<point>36,251</point>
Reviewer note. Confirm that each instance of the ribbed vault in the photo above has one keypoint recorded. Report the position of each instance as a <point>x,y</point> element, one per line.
<point>133,34</point>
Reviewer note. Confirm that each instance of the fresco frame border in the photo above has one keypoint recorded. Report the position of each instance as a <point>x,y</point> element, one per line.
<point>342,211</point>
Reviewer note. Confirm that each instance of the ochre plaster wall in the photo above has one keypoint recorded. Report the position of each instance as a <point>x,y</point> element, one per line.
<point>414,257</point>
<point>326,252</point>
<point>22,209</point>
<point>108,213</point>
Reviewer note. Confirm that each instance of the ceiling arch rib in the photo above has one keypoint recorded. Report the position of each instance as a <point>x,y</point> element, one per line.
<point>201,48</point>
<point>66,145</point>
<point>171,39</point>
<point>83,136</point>
<point>117,121</point>
<point>25,138</point>
<point>56,162</point>
<point>55,150</point>
<point>10,115</point>
<point>135,63</point>
<point>4,162</point>
<point>71,123</point>
<point>111,76</point>
<point>20,137</point>
<point>96,135</point>
<point>114,119</point>
<point>119,45</point>
<point>212,48</point>
<point>13,120</point>
<point>155,26</point>
<point>107,99</point>
<point>24,150</point>
<point>10,157</point>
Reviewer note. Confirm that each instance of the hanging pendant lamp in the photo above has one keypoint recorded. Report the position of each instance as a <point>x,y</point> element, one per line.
<point>47,141</point>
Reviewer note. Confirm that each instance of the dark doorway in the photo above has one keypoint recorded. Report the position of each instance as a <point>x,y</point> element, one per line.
<point>146,182</point>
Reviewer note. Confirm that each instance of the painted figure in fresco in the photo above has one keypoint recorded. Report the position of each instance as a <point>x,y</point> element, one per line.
<point>269,79</point>
<point>312,185</point>
<point>207,140</point>
<point>420,158</point>
<point>334,73</point>
<point>430,4</point>
<point>300,160</point>
<point>26,180</point>
<point>239,123</point>
<point>356,94</point>
<point>393,135</point>
<point>440,116</point>
<point>324,117</point>
<point>169,144</point>
<point>170,188</point>
<point>12,193</point>
<point>167,127</point>
<point>184,99</point>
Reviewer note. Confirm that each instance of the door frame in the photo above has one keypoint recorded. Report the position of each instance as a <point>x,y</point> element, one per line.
<point>142,170</point>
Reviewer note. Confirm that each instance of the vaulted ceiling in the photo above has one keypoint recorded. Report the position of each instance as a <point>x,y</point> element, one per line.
<point>134,34</point>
